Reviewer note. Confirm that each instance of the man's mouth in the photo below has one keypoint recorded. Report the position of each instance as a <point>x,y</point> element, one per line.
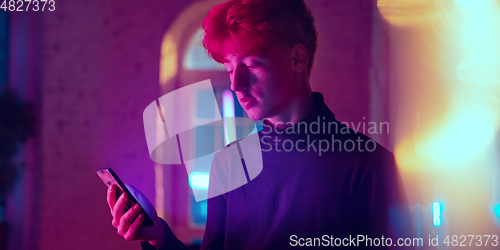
<point>247,102</point>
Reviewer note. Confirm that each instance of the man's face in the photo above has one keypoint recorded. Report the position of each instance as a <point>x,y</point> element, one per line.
<point>264,84</point>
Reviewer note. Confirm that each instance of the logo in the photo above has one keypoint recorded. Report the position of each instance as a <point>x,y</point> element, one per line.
<point>220,153</point>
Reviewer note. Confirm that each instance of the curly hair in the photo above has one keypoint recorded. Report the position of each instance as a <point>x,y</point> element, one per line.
<point>249,27</point>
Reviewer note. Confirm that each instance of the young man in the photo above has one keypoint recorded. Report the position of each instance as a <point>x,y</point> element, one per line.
<point>306,195</point>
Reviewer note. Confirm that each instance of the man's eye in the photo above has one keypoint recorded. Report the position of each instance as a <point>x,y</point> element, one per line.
<point>230,72</point>
<point>251,66</point>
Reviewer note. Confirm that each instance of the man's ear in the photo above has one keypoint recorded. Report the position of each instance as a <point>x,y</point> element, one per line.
<point>300,57</point>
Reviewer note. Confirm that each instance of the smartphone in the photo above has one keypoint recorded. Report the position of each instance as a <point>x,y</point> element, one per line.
<point>109,177</point>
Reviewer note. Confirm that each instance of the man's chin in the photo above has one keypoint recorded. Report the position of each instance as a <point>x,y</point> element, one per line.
<point>256,116</point>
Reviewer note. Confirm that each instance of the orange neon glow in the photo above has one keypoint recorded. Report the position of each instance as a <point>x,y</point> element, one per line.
<point>445,61</point>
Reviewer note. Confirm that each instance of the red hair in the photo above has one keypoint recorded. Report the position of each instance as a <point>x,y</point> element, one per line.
<point>250,27</point>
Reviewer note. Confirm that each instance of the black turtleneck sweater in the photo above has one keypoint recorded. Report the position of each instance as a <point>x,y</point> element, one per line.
<point>304,196</point>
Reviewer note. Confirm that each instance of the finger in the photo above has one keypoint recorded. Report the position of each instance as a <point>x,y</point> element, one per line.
<point>133,231</point>
<point>127,219</point>
<point>111,197</point>
<point>119,209</point>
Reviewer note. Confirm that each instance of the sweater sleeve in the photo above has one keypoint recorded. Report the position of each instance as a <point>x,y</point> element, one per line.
<point>215,229</point>
<point>171,242</point>
<point>389,210</point>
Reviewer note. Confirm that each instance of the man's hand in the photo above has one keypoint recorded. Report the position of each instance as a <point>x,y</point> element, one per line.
<point>124,222</point>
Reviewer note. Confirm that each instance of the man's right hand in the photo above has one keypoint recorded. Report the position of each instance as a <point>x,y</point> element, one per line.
<point>124,222</point>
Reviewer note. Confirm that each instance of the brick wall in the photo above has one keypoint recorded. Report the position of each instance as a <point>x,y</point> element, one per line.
<point>342,61</point>
<point>99,69</point>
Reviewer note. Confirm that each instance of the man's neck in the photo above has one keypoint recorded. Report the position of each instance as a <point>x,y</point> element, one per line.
<point>298,109</point>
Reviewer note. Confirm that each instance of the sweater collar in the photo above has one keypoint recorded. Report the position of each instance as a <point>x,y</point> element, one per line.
<point>320,110</point>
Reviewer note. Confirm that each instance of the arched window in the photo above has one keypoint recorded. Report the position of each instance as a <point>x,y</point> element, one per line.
<point>195,57</point>
<point>183,62</point>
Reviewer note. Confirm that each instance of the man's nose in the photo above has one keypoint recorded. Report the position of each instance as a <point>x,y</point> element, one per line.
<point>241,78</point>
